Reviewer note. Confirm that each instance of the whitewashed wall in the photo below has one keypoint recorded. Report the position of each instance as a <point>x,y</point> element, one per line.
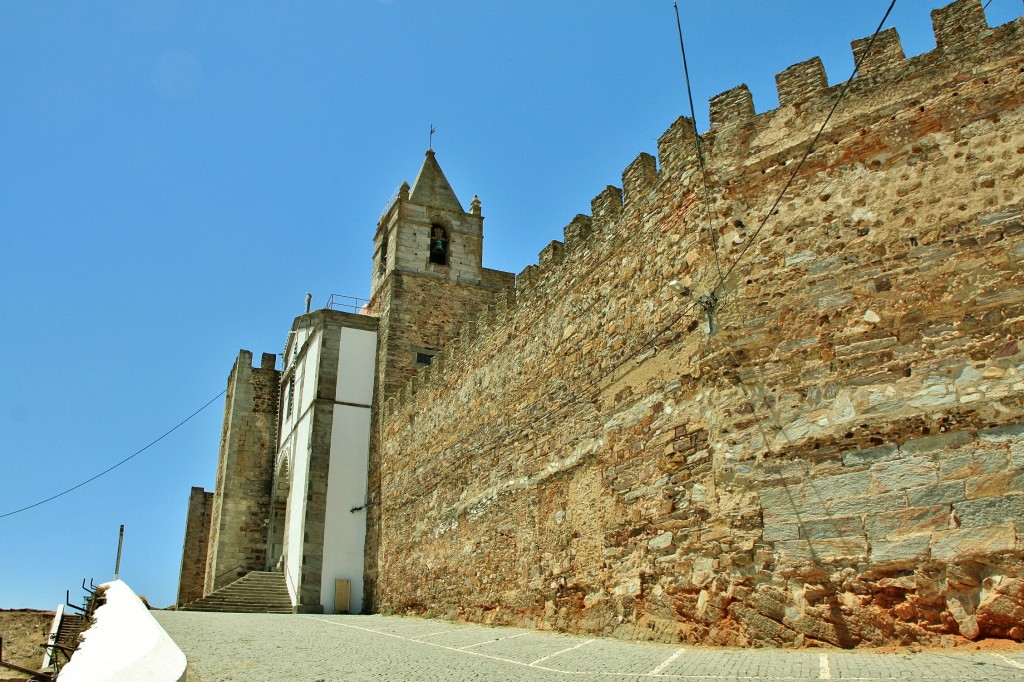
<point>344,530</point>
<point>295,435</point>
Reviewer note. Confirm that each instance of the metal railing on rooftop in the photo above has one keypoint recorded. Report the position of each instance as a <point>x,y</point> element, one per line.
<point>391,202</point>
<point>347,304</point>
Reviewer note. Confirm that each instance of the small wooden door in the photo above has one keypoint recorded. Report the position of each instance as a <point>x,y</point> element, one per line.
<point>342,594</point>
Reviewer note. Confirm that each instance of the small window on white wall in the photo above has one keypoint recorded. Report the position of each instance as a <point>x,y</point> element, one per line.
<point>291,396</point>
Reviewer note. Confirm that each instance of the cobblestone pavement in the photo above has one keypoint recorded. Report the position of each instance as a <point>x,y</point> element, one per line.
<point>256,647</point>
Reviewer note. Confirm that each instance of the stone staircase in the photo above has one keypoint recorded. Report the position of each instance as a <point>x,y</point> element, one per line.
<point>255,592</point>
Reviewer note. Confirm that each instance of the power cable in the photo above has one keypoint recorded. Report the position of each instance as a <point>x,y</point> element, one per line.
<point>126,459</point>
<point>696,142</point>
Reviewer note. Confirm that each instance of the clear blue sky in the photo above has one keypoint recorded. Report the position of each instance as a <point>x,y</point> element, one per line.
<point>174,177</point>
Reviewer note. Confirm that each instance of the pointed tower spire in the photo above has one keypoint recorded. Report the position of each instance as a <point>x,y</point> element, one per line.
<point>431,187</point>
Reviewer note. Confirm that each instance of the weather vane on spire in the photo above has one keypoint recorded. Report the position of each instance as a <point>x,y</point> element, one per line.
<point>430,145</point>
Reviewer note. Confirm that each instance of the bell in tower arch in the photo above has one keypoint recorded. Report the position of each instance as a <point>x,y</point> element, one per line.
<point>438,245</point>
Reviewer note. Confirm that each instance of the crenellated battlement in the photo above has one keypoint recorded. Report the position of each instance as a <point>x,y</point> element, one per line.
<point>886,53</point>
<point>739,141</point>
<point>801,82</point>
<point>606,208</point>
<point>960,25</point>
<point>675,147</point>
<point>639,176</point>
<point>552,254</point>
<point>732,106</point>
<point>578,230</point>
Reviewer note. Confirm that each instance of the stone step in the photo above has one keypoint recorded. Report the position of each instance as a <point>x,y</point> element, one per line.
<point>248,600</point>
<point>255,598</point>
<point>246,597</point>
<point>255,592</point>
<point>217,609</point>
<point>252,588</point>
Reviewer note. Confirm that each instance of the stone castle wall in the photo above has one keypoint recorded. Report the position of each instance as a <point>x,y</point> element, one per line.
<point>245,470</point>
<point>835,456</point>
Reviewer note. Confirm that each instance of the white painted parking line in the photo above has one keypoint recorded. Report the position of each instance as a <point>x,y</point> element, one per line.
<point>572,648</point>
<point>431,634</point>
<point>824,670</point>
<point>446,632</point>
<point>491,641</point>
<point>667,662</point>
<point>1015,664</point>
<point>706,661</point>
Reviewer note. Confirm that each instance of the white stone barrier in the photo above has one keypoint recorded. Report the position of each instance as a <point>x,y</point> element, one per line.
<point>124,643</point>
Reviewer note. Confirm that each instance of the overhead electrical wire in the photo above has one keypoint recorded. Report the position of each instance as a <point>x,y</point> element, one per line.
<point>696,142</point>
<point>126,459</point>
<point>810,148</point>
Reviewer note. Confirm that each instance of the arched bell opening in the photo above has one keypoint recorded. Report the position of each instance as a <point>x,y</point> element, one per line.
<point>439,244</point>
<point>382,257</point>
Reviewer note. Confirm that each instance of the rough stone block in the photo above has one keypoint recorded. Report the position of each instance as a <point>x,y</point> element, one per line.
<point>774,532</point>
<point>941,441</point>
<point>870,455</point>
<point>990,511</point>
<point>897,524</point>
<point>994,484</point>
<point>1002,434</point>
<point>862,347</point>
<point>896,551</point>
<point>941,493</point>
<point>823,550</point>
<point>832,528</point>
<point>952,545</point>
<point>985,460</point>
<point>904,473</point>
<point>869,504</point>
<point>660,542</point>
<point>786,504</point>
<point>841,486</point>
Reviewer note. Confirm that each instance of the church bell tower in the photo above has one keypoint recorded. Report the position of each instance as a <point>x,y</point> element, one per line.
<point>428,278</point>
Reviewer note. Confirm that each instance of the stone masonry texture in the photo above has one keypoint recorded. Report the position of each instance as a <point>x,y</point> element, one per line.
<point>195,546</point>
<point>815,434</point>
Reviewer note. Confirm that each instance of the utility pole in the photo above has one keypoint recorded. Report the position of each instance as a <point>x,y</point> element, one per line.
<point>120,542</point>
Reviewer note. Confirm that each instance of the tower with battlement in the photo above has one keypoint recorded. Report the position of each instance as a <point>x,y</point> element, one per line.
<point>428,277</point>
<point>241,499</point>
